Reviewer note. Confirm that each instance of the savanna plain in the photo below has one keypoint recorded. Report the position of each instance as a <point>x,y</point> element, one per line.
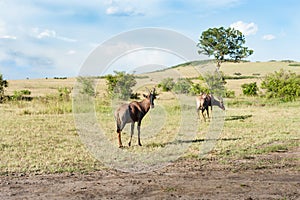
<point>256,155</point>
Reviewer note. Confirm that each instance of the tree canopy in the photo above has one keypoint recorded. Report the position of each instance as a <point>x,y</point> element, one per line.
<point>224,44</point>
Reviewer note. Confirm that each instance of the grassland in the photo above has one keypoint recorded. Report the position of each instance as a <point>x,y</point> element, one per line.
<point>40,136</point>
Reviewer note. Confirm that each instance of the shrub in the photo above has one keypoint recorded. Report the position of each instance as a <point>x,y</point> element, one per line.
<point>64,93</point>
<point>182,86</point>
<point>197,88</point>
<point>237,73</point>
<point>216,83</point>
<point>3,85</point>
<point>19,95</point>
<point>295,65</point>
<point>166,84</point>
<point>250,89</point>
<point>229,93</point>
<point>86,85</point>
<point>282,84</point>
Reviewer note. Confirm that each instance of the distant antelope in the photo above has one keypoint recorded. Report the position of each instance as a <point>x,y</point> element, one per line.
<point>133,112</point>
<point>204,101</point>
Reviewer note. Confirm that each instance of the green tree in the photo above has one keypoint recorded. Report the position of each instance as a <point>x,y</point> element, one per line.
<point>3,85</point>
<point>120,85</point>
<point>223,44</point>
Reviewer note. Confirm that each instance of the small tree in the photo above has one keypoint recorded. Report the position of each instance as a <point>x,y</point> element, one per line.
<point>3,85</point>
<point>223,44</point>
<point>120,84</point>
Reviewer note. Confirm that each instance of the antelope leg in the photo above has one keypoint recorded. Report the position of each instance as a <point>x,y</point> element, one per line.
<point>203,115</point>
<point>119,139</point>
<point>139,133</point>
<point>131,133</point>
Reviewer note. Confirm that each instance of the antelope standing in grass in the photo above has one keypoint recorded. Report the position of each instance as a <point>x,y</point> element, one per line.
<point>133,112</point>
<point>204,101</point>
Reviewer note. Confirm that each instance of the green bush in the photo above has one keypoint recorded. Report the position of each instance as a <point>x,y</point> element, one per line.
<point>182,86</point>
<point>86,85</point>
<point>120,84</point>
<point>64,93</point>
<point>3,85</point>
<point>282,84</point>
<point>250,89</point>
<point>197,88</point>
<point>229,93</point>
<point>166,84</point>
<point>295,65</point>
<point>216,83</point>
<point>19,95</point>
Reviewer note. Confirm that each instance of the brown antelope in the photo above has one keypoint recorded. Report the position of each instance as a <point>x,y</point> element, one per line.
<point>133,112</point>
<point>204,101</point>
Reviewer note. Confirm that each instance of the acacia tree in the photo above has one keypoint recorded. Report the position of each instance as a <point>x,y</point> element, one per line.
<point>223,44</point>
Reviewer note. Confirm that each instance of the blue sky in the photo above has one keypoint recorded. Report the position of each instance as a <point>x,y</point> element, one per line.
<point>47,38</point>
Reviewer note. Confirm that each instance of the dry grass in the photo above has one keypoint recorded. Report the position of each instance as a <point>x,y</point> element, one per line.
<point>39,87</point>
<point>41,137</point>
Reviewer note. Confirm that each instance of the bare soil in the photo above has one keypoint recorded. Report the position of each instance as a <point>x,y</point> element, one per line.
<point>272,176</point>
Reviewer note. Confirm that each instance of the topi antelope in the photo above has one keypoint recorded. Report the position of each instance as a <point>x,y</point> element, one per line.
<point>204,101</point>
<point>133,112</point>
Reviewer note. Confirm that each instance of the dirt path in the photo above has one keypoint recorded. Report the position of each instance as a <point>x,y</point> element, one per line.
<point>274,176</point>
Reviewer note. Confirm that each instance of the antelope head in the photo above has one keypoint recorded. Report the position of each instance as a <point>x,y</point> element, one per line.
<point>222,103</point>
<point>151,96</point>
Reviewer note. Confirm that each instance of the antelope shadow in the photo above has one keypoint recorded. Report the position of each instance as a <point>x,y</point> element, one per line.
<point>237,117</point>
<point>176,142</point>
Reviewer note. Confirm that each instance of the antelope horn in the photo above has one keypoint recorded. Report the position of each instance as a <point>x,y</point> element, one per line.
<point>154,89</point>
<point>148,90</point>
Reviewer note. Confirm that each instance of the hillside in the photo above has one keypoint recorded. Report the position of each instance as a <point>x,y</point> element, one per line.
<point>42,87</point>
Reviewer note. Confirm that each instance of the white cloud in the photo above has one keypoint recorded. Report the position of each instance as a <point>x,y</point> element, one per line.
<point>46,33</point>
<point>119,11</point>
<point>40,34</point>
<point>142,60</point>
<point>10,37</point>
<point>245,28</point>
<point>123,8</point>
<point>161,7</point>
<point>71,52</point>
<point>221,3</point>
<point>3,32</point>
<point>269,37</point>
